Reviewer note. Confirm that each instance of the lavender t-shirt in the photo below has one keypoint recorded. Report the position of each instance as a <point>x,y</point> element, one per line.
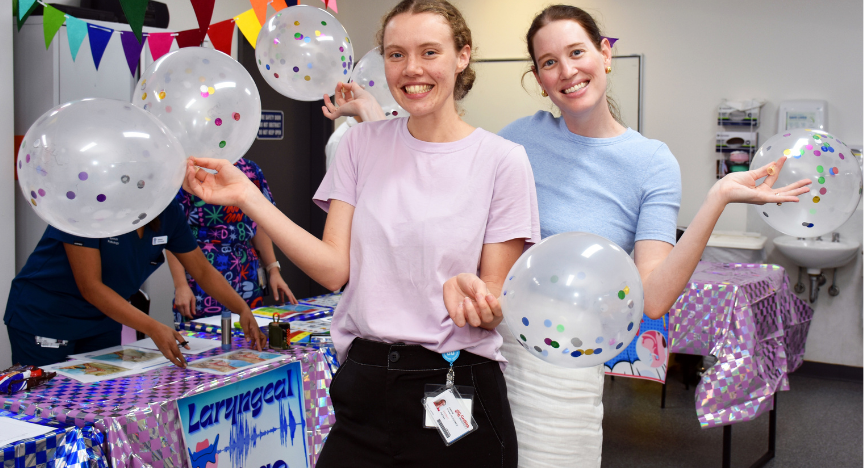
<point>422,214</point>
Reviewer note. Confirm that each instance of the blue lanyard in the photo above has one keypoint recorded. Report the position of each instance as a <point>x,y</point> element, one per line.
<point>451,357</point>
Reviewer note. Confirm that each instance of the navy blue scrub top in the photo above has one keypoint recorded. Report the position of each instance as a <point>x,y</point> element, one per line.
<point>44,299</point>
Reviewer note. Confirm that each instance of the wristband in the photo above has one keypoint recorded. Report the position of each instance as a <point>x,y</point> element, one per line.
<point>274,264</point>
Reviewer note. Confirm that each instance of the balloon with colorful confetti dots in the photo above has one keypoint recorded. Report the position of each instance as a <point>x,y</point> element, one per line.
<point>369,73</point>
<point>573,300</point>
<point>99,167</point>
<point>836,189</point>
<point>303,52</point>
<point>206,98</point>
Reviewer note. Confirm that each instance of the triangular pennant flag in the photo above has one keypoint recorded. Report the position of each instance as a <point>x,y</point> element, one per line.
<point>52,19</point>
<point>279,5</point>
<point>189,38</point>
<point>23,6</point>
<point>249,25</point>
<point>132,49</point>
<point>260,7</point>
<point>24,13</point>
<point>99,38</point>
<point>221,34</point>
<point>204,13</point>
<point>160,44</point>
<point>612,40</point>
<point>331,4</point>
<point>76,31</point>
<point>134,11</point>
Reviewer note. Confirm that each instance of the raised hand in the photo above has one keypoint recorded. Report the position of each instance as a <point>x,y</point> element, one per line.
<point>740,187</point>
<point>228,187</point>
<point>352,101</point>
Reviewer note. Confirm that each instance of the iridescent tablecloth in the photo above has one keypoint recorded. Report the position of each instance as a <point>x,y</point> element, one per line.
<point>67,446</point>
<point>746,316</point>
<point>138,415</point>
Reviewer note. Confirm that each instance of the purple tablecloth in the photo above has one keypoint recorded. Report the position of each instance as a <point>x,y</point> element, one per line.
<point>746,316</point>
<point>139,417</point>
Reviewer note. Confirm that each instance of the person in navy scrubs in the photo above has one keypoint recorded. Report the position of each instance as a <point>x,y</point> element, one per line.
<point>71,296</point>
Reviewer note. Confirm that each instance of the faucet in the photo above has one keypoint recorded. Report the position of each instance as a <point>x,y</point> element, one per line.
<point>835,237</point>
<point>819,238</point>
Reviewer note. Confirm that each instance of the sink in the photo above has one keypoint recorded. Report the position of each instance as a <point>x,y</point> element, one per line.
<point>815,254</point>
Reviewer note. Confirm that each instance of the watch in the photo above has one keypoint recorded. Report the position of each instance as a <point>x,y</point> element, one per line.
<point>274,264</point>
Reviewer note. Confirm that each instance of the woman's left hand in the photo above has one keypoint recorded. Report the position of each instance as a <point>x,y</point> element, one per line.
<point>468,300</point>
<point>277,285</point>
<point>253,334</point>
<point>740,187</point>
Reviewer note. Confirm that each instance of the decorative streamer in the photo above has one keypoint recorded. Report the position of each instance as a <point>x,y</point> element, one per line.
<point>52,19</point>
<point>134,10</point>
<point>249,25</point>
<point>160,44</point>
<point>132,49</point>
<point>260,7</point>
<point>204,13</point>
<point>189,38</point>
<point>221,35</point>
<point>76,31</point>
<point>99,38</point>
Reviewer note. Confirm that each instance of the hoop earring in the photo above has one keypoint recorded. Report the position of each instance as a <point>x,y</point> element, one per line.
<point>608,70</point>
<point>543,93</point>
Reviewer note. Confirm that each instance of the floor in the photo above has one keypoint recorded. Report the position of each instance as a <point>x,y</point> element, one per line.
<point>819,424</point>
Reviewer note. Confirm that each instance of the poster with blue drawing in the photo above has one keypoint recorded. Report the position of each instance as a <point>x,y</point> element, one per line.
<point>647,355</point>
<point>259,422</point>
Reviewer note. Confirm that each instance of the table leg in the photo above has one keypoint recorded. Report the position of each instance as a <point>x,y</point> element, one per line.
<point>772,441</point>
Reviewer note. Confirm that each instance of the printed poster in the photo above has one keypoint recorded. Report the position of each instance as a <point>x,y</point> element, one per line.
<point>235,361</point>
<point>256,422</point>
<point>647,356</point>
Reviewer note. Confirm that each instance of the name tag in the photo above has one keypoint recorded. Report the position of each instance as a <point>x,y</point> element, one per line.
<point>159,240</point>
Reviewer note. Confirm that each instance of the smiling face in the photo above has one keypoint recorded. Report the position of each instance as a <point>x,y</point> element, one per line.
<point>570,68</point>
<point>421,69</point>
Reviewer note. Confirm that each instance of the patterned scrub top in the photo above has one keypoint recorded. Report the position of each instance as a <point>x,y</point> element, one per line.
<point>225,234</point>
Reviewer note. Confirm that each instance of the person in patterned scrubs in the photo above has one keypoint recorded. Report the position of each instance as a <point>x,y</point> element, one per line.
<point>232,243</point>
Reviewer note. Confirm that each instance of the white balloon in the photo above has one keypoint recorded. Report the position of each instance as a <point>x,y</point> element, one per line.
<point>207,99</point>
<point>369,73</point>
<point>303,52</point>
<point>99,167</point>
<point>829,164</point>
<point>573,300</point>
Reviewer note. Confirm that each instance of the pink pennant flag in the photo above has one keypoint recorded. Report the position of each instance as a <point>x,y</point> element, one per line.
<point>160,44</point>
<point>331,4</point>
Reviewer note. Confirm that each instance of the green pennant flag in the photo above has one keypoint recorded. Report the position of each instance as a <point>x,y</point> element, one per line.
<point>52,19</point>
<point>25,7</point>
<point>134,10</point>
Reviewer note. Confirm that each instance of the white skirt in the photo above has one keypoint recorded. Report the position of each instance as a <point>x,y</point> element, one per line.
<point>558,412</point>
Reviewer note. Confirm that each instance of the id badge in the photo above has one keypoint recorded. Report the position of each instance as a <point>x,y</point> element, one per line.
<point>466,392</point>
<point>446,409</point>
<point>160,240</point>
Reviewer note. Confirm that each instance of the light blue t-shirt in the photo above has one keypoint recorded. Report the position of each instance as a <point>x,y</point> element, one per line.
<point>626,188</point>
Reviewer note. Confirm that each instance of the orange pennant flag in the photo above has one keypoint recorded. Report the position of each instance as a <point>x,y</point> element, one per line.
<point>279,5</point>
<point>260,7</point>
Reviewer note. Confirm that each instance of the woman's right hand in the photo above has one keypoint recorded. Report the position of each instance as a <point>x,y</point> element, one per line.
<point>352,101</point>
<point>167,340</point>
<point>228,187</point>
<point>184,301</point>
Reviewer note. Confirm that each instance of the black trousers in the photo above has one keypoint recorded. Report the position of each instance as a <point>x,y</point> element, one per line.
<point>377,395</point>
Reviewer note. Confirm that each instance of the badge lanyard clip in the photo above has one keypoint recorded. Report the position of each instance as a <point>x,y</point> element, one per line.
<point>451,357</point>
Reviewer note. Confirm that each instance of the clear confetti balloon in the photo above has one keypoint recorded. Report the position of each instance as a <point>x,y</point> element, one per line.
<point>303,52</point>
<point>99,167</point>
<point>206,98</point>
<point>825,160</point>
<point>369,73</point>
<point>573,300</point>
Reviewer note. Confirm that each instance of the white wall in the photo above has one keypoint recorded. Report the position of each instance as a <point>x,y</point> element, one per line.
<point>696,54</point>
<point>7,182</point>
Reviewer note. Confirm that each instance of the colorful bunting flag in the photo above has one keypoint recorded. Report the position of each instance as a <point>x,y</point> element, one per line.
<point>612,40</point>
<point>279,5</point>
<point>189,38</point>
<point>221,34</point>
<point>160,44</point>
<point>99,38</point>
<point>331,4</point>
<point>204,13</point>
<point>260,7</point>
<point>52,19</point>
<point>249,25</point>
<point>25,8</point>
<point>76,31</point>
<point>132,49</point>
<point>134,11</point>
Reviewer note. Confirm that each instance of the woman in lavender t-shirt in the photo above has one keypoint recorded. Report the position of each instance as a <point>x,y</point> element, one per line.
<point>426,215</point>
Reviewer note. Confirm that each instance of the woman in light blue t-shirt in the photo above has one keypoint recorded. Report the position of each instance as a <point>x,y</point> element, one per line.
<point>593,175</point>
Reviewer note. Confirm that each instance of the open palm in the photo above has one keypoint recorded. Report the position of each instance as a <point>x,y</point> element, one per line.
<point>740,187</point>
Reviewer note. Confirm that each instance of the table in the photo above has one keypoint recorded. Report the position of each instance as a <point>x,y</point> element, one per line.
<point>67,446</point>
<point>138,415</point>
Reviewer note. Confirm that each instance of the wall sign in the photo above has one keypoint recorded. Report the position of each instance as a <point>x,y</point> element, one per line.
<point>272,125</point>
